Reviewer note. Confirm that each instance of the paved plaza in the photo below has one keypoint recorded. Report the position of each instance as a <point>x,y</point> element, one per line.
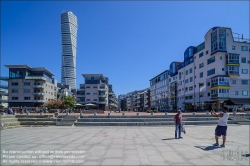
<point>124,145</point>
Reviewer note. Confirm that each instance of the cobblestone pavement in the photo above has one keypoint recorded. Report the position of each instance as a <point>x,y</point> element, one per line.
<point>126,145</point>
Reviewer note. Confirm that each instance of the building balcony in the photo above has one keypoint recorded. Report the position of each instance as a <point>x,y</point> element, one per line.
<point>38,93</point>
<point>4,93</point>
<point>80,95</point>
<point>219,95</point>
<point>102,89</point>
<point>38,86</point>
<point>3,87</point>
<point>80,90</point>
<point>81,102</point>
<point>101,102</point>
<point>4,78</point>
<point>35,78</point>
<point>102,95</point>
<point>232,62</point>
<point>39,101</point>
<point>3,100</point>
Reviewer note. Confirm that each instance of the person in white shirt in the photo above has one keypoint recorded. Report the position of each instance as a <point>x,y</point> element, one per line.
<point>221,128</point>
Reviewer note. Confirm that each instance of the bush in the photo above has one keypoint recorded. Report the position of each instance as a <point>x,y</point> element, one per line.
<point>155,111</point>
<point>149,111</point>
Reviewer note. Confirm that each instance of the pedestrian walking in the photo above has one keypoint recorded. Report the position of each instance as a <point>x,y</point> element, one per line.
<point>178,124</point>
<point>221,129</point>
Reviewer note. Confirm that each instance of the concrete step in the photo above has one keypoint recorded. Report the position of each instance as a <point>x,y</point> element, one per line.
<point>34,116</point>
<point>38,123</point>
<point>37,119</point>
<point>65,124</point>
<point>143,119</point>
<point>146,123</point>
<point>2,120</point>
<point>10,127</point>
<point>14,123</point>
<point>145,116</point>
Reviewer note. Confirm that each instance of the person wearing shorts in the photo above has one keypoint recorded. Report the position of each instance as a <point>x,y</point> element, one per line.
<point>221,129</point>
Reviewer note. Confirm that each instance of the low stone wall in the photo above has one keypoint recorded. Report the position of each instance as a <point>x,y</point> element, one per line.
<point>92,111</point>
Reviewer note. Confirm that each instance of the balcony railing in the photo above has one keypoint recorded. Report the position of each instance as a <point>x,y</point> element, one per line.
<point>4,93</point>
<point>3,100</point>
<point>220,95</point>
<point>102,89</point>
<point>4,78</point>
<point>3,86</point>
<point>39,101</point>
<point>232,61</point>
<point>81,102</point>
<point>38,93</point>
<point>102,95</point>
<point>80,95</point>
<point>102,102</point>
<point>35,78</point>
<point>38,86</point>
<point>233,73</point>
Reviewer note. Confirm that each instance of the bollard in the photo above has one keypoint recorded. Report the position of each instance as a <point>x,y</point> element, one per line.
<point>41,113</point>
<point>166,113</point>
<point>234,112</point>
<point>80,112</point>
<point>152,113</point>
<point>56,114</point>
<point>138,113</point>
<point>95,114</point>
<point>207,113</point>
<point>123,114</point>
<point>3,113</point>
<point>67,113</point>
<point>27,113</point>
<point>109,114</point>
<point>193,113</point>
<point>14,113</point>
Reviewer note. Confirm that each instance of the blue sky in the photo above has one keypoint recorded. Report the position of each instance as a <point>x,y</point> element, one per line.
<point>129,42</point>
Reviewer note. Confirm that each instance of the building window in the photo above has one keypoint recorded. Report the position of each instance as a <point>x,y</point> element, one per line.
<point>88,87</point>
<point>186,89</point>
<point>14,83</point>
<point>233,47</point>
<point>222,69</point>
<point>94,86</point>
<point>220,57</point>
<point>211,60</point>
<point>244,82</point>
<point>95,99</point>
<point>243,60</point>
<point>244,93</point>
<point>206,52</point>
<point>211,72</point>
<point>186,81</point>
<point>186,97</point>
<point>26,98</point>
<point>14,98</point>
<point>88,100</point>
<point>26,91</point>
<point>201,74</point>
<point>236,92</point>
<point>87,93</point>
<point>94,93</point>
<point>201,55</point>
<point>244,48</point>
<point>191,79</point>
<point>201,94</point>
<point>186,72</point>
<point>208,83</point>
<point>190,88</point>
<point>190,97</point>
<point>201,65</point>
<point>208,94</point>
<point>26,84</point>
<point>14,91</point>
<point>244,71</point>
<point>190,70</point>
<point>233,81</point>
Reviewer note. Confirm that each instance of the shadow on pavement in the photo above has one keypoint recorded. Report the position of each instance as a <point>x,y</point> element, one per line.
<point>168,139</point>
<point>207,148</point>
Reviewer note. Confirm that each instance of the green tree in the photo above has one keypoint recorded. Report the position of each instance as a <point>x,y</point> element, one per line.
<point>69,101</point>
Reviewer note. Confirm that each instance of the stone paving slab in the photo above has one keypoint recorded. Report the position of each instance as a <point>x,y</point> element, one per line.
<point>126,145</point>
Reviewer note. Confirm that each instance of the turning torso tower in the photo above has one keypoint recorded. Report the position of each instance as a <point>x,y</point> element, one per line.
<point>69,32</point>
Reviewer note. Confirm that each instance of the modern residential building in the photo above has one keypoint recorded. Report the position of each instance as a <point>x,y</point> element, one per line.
<point>213,74</point>
<point>112,99</point>
<point>3,96</point>
<point>69,40</point>
<point>159,92</point>
<point>63,91</point>
<point>95,90</point>
<point>29,87</point>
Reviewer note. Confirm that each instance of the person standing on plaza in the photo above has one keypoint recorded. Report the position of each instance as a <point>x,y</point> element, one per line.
<point>221,128</point>
<point>21,110</point>
<point>178,124</point>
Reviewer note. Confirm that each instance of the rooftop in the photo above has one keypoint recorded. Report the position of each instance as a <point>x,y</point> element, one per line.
<point>30,68</point>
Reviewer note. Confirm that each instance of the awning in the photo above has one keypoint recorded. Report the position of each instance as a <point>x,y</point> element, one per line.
<point>240,100</point>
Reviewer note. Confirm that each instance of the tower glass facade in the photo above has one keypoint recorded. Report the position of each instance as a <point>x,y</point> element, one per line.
<point>69,38</point>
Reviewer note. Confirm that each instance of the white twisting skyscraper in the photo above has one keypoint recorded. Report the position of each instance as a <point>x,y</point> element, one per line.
<point>69,32</point>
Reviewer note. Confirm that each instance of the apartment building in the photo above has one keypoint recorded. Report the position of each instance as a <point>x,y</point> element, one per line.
<point>95,90</point>
<point>3,96</point>
<point>159,92</point>
<point>112,99</point>
<point>213,74</point>
<point>29,87</point>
